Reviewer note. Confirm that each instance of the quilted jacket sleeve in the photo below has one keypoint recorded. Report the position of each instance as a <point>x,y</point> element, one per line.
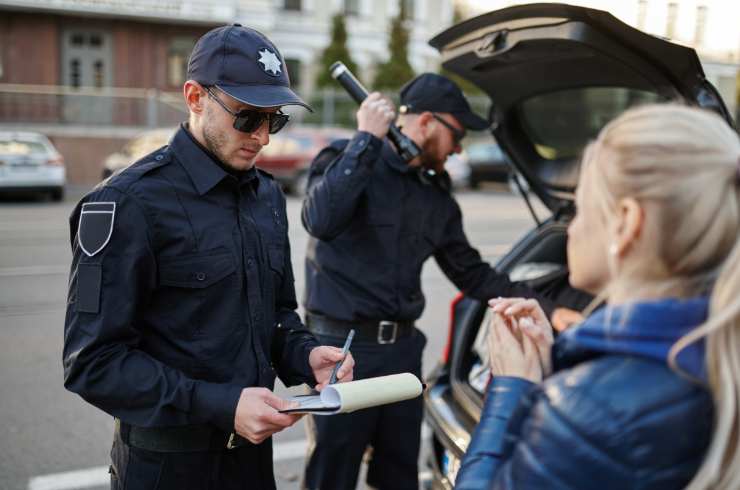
<point>615,423</point>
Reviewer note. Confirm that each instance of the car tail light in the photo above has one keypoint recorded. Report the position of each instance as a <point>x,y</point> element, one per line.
<point>451,328</point>
<point>56,161</point>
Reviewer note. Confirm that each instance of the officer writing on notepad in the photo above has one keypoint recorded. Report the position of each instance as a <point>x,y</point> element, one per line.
<point>181,306</point>
<point>374,220</point>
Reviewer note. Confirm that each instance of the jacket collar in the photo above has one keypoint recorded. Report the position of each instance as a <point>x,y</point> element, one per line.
<point>395,162</point>
<point>646,329</point>
<point>200,164</point>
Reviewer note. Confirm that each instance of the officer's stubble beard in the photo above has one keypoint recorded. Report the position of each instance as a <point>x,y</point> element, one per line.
<point>216,140</point>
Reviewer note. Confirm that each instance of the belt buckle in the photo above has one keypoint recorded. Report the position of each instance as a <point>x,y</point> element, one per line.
<point>231,444</point>
<point>381,327</point>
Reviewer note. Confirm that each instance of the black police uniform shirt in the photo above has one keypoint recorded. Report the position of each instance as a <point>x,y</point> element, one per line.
<point>181,291</point>
<point>374,221</point>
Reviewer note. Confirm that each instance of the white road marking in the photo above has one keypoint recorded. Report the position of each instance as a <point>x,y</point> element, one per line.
<point>98,476</point>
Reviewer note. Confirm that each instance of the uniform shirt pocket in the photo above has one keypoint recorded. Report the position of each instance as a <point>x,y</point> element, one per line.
<point>196,271</point>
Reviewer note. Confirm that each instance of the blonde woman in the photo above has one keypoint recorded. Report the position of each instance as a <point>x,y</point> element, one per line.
<point>643,393</point>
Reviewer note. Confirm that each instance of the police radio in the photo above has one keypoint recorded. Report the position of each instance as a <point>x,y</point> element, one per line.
<point>406,147</point>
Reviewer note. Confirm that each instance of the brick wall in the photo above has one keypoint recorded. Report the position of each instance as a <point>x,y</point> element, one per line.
<point>84,156</point>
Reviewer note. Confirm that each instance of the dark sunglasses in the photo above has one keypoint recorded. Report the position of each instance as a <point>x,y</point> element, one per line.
<point>457,135</point>
<point>249,120</point>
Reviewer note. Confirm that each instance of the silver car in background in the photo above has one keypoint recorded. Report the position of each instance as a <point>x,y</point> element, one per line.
<point>30,163</point>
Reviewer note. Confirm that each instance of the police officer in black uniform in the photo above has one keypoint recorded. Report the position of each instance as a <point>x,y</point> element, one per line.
<point>181,308</point>
<point>374,220</point>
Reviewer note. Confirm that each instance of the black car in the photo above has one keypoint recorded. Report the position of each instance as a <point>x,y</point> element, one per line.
<point>488,163</point>
<point>555,74</point>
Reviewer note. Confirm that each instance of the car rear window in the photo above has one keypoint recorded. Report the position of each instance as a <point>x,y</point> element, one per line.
<point>18,147</point>
<point>561,123</point>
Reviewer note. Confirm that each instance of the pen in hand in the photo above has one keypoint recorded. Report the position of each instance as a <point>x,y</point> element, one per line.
<point>345,349</point>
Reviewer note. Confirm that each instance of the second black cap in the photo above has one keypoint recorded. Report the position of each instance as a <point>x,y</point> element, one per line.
<point>435,93</point>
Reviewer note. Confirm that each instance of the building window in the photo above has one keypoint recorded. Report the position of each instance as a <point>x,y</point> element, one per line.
<point>98,74</point>
<point>294,71</point>
<point>701,25</point>
<point>642,6</point>
<point>352,7</point>
<point>671,21</point>
<point>177,59</point>
<point>409,12</point>
<point>292,5</point>
<point>74,72</point>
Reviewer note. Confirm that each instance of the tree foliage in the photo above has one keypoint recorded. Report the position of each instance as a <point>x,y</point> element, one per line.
<point>397,70</point>
<point>335,51</point>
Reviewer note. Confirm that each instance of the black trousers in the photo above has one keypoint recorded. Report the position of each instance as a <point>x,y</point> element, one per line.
<point>248,467</point>
<point>393,431</point>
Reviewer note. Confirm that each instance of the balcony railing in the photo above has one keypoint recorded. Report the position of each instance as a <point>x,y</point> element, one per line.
<point>87,106</point>
<point>197,11</point>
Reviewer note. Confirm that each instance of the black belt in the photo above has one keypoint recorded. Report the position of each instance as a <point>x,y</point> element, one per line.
<point>379,332</point>
<point>187,438</point>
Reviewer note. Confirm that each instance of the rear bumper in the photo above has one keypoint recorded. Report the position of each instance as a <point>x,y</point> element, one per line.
<point>43,178</point>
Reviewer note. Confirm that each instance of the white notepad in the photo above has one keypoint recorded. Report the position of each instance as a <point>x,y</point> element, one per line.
<point>356,395</point>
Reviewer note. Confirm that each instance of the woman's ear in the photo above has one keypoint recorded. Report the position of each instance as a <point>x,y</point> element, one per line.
<point>629,223</point>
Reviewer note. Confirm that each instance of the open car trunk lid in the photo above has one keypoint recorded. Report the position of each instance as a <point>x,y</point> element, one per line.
<point>556,74</point>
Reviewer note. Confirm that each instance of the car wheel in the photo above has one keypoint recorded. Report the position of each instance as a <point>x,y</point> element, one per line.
<point>57,195</point>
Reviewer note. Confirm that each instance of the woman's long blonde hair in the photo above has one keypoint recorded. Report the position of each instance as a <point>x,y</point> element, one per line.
<point>686,163</point>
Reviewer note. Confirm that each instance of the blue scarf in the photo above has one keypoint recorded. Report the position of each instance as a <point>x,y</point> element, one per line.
<point>647,329</point>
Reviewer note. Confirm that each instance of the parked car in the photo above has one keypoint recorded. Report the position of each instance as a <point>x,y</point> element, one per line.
<point>555,74</point>
<point>30,163</point>
<point>488,163</point>
<point>291,151</point>
<point>136,148</point>
<point>458,169</point>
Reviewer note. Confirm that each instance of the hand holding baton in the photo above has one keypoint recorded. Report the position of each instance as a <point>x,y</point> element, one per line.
<point>406,147</point>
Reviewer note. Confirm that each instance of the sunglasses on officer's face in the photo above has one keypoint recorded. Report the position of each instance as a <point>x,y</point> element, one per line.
<point>250,120</point>
<point>457,135</point>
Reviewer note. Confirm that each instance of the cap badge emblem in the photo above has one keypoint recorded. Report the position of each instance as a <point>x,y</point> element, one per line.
<point>270,61</point>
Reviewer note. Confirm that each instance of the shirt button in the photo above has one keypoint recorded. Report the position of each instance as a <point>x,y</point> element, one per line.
<point>201,276</point>
<point>249,262</point>
<point>159,157</point>
<point>347,172</point>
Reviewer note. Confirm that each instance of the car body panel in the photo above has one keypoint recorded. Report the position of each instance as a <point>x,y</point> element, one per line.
<point>30,162</point>
<point>519,54</point>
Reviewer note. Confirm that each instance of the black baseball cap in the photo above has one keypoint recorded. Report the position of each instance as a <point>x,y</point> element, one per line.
<point>245,64</point>
<point>435,93</point>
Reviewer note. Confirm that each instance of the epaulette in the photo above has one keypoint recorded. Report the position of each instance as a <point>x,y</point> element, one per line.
<point>139,168</point>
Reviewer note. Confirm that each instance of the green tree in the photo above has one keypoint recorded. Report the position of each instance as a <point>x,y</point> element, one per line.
<point>336,51</point>
<point>397,70</point>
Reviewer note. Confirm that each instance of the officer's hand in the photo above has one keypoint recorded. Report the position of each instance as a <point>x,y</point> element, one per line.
<point>376,114</point>
<point>257,416</point>
<point>322,360</point>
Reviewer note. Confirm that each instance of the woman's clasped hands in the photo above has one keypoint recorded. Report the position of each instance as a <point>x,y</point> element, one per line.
<point>519,339</point>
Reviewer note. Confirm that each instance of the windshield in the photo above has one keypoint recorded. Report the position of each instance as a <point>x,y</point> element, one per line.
<point>18,147</point>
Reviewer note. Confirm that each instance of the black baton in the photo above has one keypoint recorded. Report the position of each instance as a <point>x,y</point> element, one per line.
<point>406,147</point>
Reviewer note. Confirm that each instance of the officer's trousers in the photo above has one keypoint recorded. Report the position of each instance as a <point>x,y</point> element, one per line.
<point>245,467</point>
<point>393,431</point>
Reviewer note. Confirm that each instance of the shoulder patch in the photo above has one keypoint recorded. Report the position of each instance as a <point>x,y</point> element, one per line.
<point>96,226</point>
